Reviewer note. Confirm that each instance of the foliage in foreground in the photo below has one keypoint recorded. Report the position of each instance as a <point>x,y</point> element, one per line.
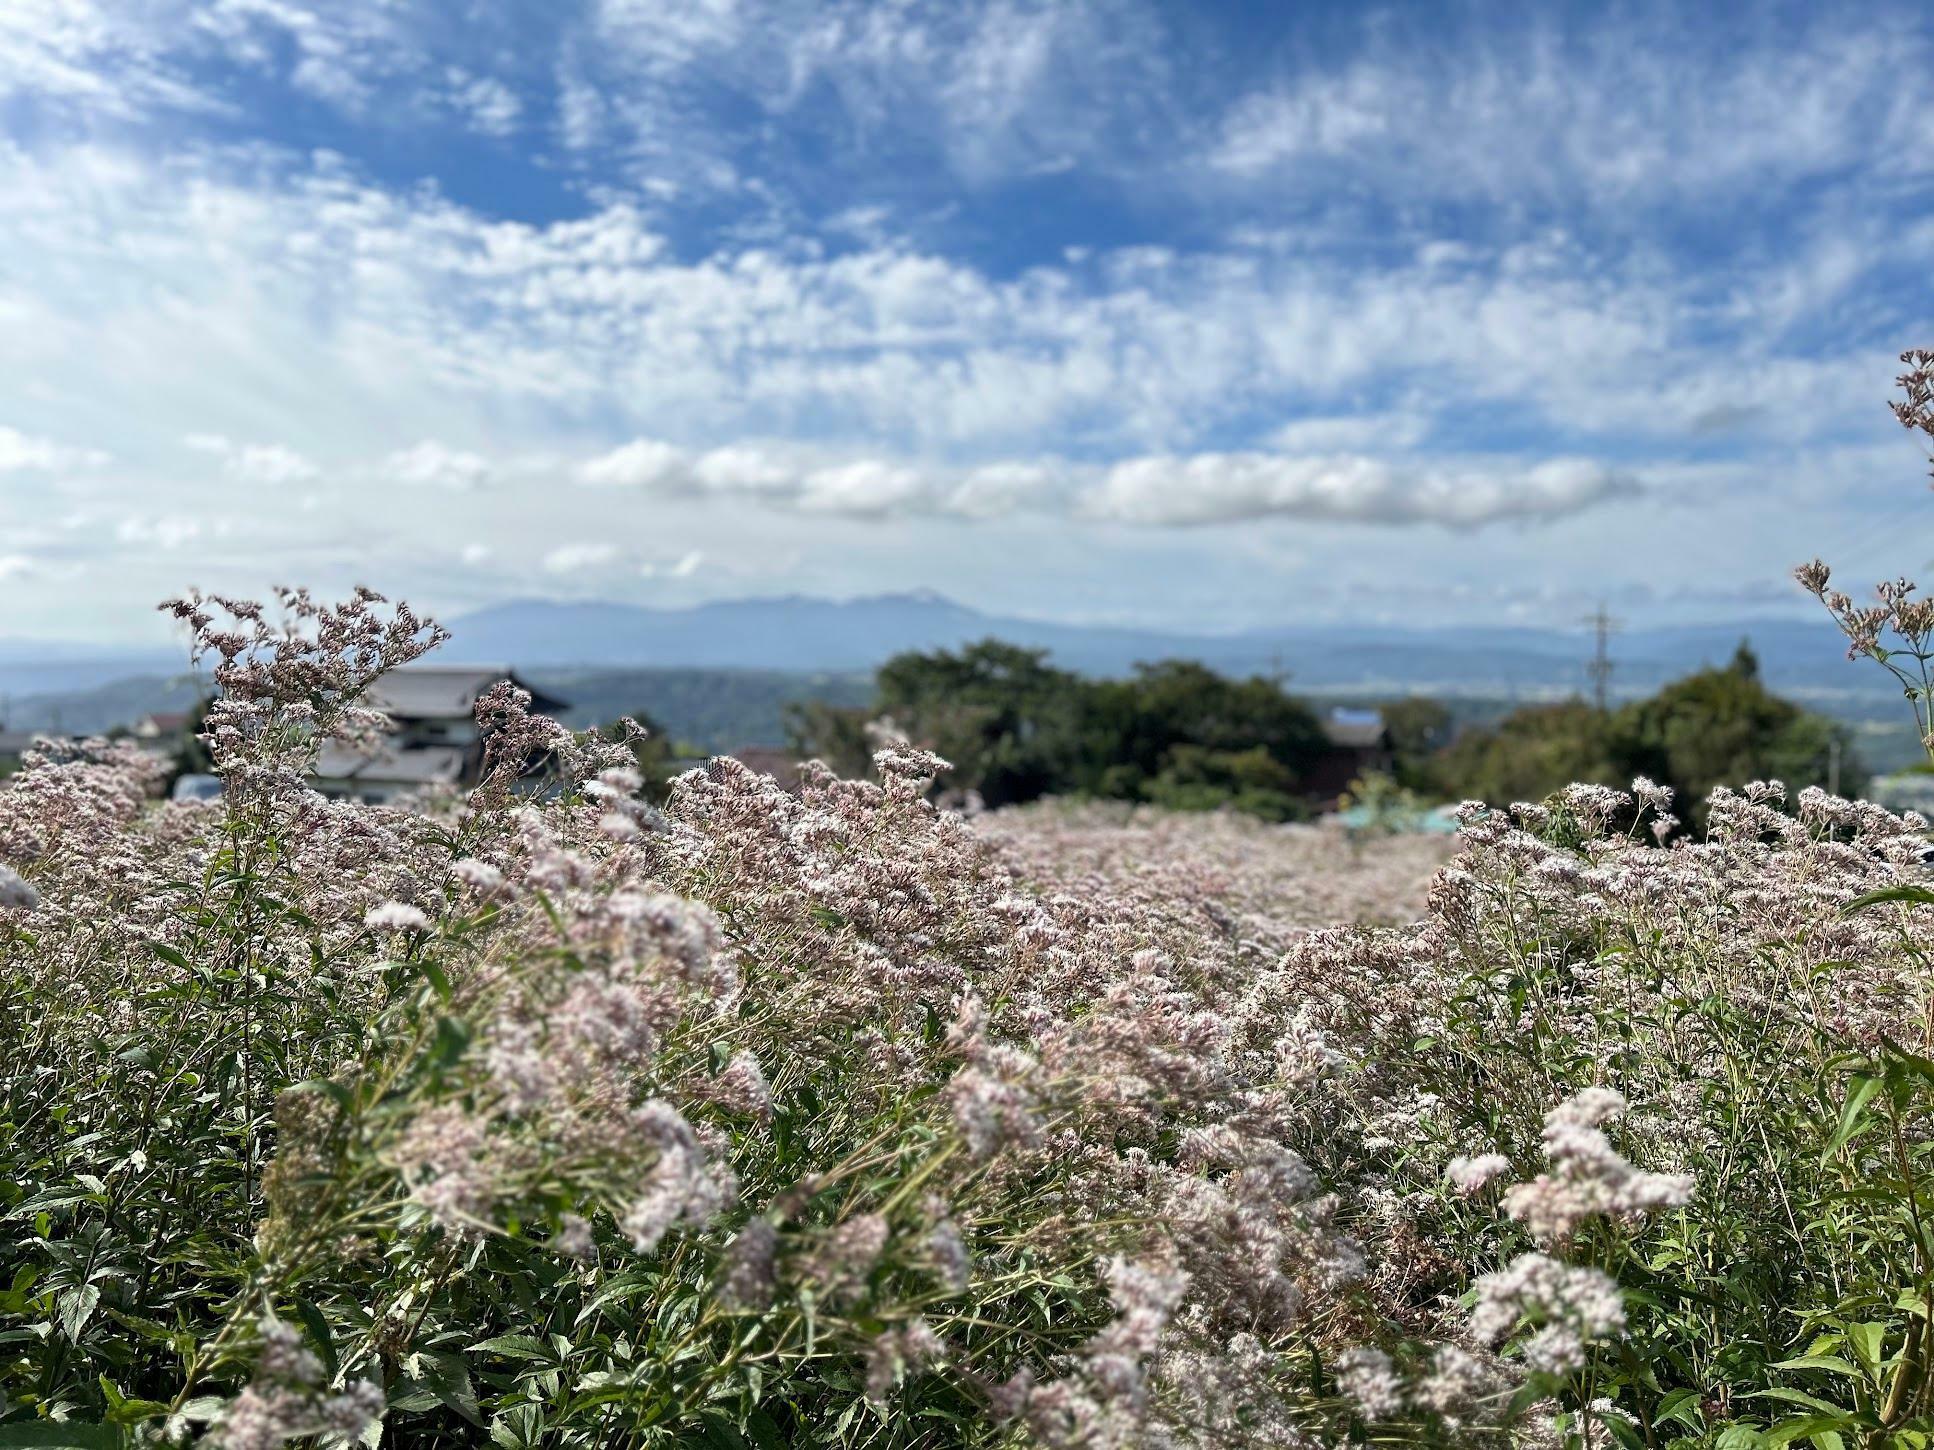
<point>552,1120</point>
<point>828,1119</point>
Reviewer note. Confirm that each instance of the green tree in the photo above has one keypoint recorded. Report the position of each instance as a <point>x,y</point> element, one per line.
<point>1007,719</point>
<point>836,734</point>
<point>191,752</point>
<point>1132,727</point>
<point>1717,727</point>
<point>1195,778</point>
<point>1530,753</point>
<point>1017,728</point>
<point>1723,727</point>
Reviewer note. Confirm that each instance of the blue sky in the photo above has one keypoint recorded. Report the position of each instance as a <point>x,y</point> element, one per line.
<point>1207,315</point>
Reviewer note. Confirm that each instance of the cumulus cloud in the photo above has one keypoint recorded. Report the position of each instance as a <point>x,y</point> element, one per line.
<point>641,463</point>
<point>997,489</point>
<point>580,558</point>
<point>1154,490</point>
<point>869,488</point>
<point>1218,488</point>
<point>19,451</point>
<point>683,567</point>
<point>170,531</point>
<point>435,465</point>
<point>826,340</point>
<point>264,463</point>
<point>607,561</point>
<point>784,477</point>
<point>489,105</point>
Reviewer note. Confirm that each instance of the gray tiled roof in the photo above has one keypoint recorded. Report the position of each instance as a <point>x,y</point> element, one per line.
<point>447,692</point>
<point>420,765</point>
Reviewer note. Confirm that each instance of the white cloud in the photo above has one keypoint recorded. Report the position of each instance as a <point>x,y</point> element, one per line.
<point>339,51</point>
<point>486,103</point>
<point>169,532</point>
<point>1391,283</point>
<point>868,488</point>
<point>580,558</point>
<point>264,463</point>
<point>981,90</point>
<point>683,567</point>
<point>449,315</point>
<point>1231,488</point>
<point>23,451</point>
<point>1158,490</point>
<point>92,55</point>
<point>1380,432</point>
<point>747,469</point>
<point>787,477</point>
<point>996,489</point>
<point>435,465</point>
<point>1642,108</point>
<point>642,463</point>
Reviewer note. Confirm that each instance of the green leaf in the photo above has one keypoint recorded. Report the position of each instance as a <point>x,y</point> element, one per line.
<point>74,1307</point>
<point>1853,1113</point>
<point>1806,1426</point>
<point>438,977</point>
<point>133,1412</point>
<point>169,955</point>
<point>1680,1405</point>
<point>319,1335</point>
<point>447,1377</point>
<point>1867,1341</point>
<point>516,1346</point>
<point>1831,1363</point>
<point>764,1431</point>
<point>1908,895</point>
<point>1796,1397</point>
<point>452,1037</point>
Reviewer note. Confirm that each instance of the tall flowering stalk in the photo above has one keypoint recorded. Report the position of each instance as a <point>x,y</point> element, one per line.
<point>1897,630</point>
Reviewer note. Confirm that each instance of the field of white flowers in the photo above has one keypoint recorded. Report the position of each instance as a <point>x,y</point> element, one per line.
<point>545,1117</point>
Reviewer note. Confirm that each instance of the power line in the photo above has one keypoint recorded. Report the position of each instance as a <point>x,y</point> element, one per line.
<point>1599,670</point>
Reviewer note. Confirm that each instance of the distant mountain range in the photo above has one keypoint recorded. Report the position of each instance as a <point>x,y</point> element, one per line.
<point>47,684</point>
<point>796,633</point>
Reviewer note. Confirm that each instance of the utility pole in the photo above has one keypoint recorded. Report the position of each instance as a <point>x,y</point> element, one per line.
<point>1833,764</point>
<point>1600,668</point>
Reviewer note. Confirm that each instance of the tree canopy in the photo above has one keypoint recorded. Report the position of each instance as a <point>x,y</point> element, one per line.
<point>1016,728</point>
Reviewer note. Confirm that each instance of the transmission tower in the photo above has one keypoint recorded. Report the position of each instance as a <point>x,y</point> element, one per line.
<point>1603,627</point>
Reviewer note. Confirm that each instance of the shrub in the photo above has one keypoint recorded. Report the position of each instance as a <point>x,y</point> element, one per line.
<point>552,1118</point>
